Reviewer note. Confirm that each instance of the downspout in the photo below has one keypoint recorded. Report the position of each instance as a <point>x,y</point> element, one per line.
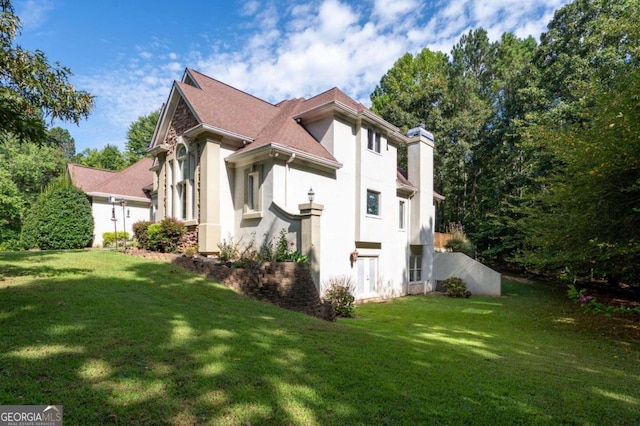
<point>286,178</point>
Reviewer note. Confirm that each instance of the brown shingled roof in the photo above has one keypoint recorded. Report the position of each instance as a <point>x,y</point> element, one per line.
<point>402,180</point>
<point>128,182</point>
<point>226,107</point>
<point>222,106</point>
<point>331,95</point>
<point>87,178</point>
<point>284,130</point>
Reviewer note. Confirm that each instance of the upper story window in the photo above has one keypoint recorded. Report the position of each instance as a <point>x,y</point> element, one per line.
<point>183,165</point>
<point>373,141</point>
<point>373,203</point>
<point>401,215</point>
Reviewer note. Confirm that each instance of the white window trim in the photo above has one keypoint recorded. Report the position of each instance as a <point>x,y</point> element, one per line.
<point>366,204</point>
<point>376,141</point>
<point>255,212</point>
<point>418,268</point>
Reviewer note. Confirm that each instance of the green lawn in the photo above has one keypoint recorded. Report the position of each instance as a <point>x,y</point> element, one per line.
<point>118,339</point>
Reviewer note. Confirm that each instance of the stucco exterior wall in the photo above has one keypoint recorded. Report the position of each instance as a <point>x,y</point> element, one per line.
<point>101,210</point>
<point>345,226</point>
<point>344,221</point>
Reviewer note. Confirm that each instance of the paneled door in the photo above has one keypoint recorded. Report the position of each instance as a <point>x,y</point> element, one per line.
<point>367,277</point>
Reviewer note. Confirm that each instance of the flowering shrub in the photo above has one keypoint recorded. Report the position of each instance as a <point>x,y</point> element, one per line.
<point>592,304</point>
<point>280,249</point>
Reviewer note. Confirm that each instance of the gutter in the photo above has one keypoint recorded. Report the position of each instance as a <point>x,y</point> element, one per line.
<point>281,149</point>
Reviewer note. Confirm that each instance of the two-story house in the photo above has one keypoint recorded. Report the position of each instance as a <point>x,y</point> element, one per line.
<point>229,164</point>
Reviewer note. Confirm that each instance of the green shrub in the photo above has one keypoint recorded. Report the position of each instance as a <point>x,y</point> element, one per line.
<point>281,252</point>
<point>109,238</point>
<point>456,287</point>
<point>265,252</point>
<point>340,294</point>
<point>140,233</point>
<point>14,244</point>
<point>460,246</point>
<point>244,263</point>
<point>170,235</point>
<point>60,219</point>
<point>190,251</point>
<point>164,236</point>
<point>153,237</point>
<point>229,249</point>
<point>459,242</point>
<point>298,257</point>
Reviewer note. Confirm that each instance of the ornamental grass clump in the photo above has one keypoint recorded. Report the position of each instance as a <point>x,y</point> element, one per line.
<point>459,242</point>
<point>339,294</point>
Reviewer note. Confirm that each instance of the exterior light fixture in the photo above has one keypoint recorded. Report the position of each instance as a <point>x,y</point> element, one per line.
<point>123,203</point>
<point>112,200</point>
<point>311,195</point>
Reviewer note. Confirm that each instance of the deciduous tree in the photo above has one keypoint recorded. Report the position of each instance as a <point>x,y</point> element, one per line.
<point>139,136</point>
<point>31,89</point>
<point>108,158</point>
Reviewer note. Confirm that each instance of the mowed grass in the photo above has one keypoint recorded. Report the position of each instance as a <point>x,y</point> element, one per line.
<point>122,340</point>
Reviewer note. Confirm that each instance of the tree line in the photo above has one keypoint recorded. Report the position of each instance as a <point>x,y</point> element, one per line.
<point>537,144</point>
<point>33,95</point>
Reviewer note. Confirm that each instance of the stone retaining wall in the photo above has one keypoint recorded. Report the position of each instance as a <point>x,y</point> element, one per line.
<point>285,284</point>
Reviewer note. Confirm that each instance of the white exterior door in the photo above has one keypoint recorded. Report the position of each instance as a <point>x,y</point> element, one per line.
<point>367,277</point>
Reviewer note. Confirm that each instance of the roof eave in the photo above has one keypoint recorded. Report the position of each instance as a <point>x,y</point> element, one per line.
<point>202,128</point>
<point>405,187</point>
<point>273,148</point>
<point>337,106</point>
<point>158,149</point>
<point>332,105</point>
<point>118,196</point>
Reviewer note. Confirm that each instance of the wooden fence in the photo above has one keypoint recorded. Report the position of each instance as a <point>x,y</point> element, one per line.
<point>441,240</point>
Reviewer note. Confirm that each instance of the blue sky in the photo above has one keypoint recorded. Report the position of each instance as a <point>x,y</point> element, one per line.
<point>128,52</point>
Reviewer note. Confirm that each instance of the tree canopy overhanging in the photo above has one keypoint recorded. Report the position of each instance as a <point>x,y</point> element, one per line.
<point>33,91</point>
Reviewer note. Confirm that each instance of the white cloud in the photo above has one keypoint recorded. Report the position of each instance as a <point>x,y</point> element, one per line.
<point>393,12</point>
<point>301,50</point>
<point>33,13</point>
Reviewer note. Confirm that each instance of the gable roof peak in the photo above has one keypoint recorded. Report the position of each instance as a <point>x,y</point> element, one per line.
<point>202,79</point>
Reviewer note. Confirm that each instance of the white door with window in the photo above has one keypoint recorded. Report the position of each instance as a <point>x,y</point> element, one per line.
<point>367,277</point>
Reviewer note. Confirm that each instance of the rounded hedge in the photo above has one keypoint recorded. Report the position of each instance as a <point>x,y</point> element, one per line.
<point>60,219</point>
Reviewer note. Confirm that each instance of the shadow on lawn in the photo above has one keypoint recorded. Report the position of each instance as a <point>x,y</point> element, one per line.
<point>31,265</point>
<point>173,348</point>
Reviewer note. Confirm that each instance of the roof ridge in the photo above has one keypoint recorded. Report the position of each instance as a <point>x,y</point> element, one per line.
<point>286,112</point>
<point>90,167</point>
<point>119,173</point>
<point>227,85</point>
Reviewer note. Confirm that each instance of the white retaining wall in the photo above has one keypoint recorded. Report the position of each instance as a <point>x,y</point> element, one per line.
<point>480,279</point>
